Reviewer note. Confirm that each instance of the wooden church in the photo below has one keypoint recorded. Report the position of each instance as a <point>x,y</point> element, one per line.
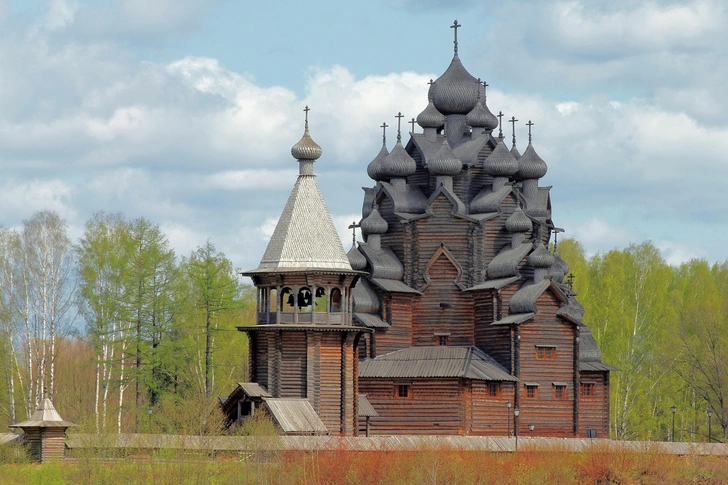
<point>452,317</point>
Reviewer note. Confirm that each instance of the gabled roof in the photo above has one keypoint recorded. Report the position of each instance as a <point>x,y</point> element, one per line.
<point>525,299</point>
<point>458,205</point>
<point>410,200</point>
<point>506,262</point>
<point>45,416</point>
<point>426,147</point>
<point>365,300</point>
<point>468,152</point>
<point>539,205</point>
<point>295,416</point>
<point>305,236</point>
<point>596,367</point>
<point>488,201</point>
<point>439,361</point>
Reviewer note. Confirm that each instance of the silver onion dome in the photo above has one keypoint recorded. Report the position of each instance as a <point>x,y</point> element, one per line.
<point>356,259</point>
<point>456,91</point>
<point>514,151</point>
<point>306,148</point>
<point>374,223</point>
<point>530,165</point>
<point>444,161</point>
<point>374,169</point>
<point>518,222</point>
<point>481,117</point>
<point>430,117</point>
<point>398,163</point>
<point>540,257</point>
<point>500,163</point>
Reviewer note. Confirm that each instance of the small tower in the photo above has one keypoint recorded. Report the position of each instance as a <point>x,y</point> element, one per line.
<point>45,433</point>
<point>304,344</point>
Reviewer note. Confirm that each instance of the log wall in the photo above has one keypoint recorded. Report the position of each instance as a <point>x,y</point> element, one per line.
<point>594,410</point>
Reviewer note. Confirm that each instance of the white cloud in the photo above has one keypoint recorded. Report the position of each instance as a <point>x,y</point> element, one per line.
<point>252,179</point>
<point>601,234</point>
<point>676,254</point>
<point>22,199</point>
<point>266,229</point>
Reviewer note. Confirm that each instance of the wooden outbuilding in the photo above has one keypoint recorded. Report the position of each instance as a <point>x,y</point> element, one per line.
<point>44,433</point>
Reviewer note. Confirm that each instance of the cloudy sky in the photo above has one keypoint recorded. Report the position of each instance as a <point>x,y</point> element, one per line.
<point>184,111</point>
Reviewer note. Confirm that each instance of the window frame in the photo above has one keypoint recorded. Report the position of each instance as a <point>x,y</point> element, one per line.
<point>531,388</point>
<point>545,352</point>
<point>399,387</point>
<point>590,386</point>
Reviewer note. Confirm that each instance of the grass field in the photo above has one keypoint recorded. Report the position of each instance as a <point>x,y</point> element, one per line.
<point>424,466</point>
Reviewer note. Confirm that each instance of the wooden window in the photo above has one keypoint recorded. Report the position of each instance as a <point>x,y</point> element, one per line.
<point>305,300</point>
<point>403,391</point>
<point>442,340</point>
<point>494,389</point>
<point>559,392</point>
<point>531,391</point>
<point>587,388</point>
<point>545,352</point>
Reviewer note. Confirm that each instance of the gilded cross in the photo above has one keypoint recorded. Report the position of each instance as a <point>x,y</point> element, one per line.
<point>529,124</point>
<point>455,26</point>
<point>513,122</point>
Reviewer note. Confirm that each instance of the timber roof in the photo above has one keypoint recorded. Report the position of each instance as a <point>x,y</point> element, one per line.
<point>45,416</point>
<point>524,300</point>
<point>393,286</point>
<point>596,367</point>
<point>439,361</point>
<point>365,300</point>
<point>305,236</point>
<point>295,416</point>
<point>365,408</point>
<point>383,262</point>
<point>370,320</point>
<point>514,318</point>
<point>506,262</point>
<point>495,284</point>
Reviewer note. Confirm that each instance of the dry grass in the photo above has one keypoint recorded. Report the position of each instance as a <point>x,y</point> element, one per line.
<point>428,465</point>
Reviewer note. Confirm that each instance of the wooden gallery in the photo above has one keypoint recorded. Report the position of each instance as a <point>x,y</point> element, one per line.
<point>452,317</point>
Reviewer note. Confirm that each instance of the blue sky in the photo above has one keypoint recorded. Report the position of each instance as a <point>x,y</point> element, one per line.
<point>184,111</point>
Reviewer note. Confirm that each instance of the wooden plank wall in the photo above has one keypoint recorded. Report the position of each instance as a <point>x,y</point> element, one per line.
<point>394,237</point>
<point>293,377</point>
<point>551,416</point>
<point>261,360</point>
<point>398,312</point>
<point>494,340</point>
<point>330,381</point>
<point>491,415</point>
<point>594,410</point>
<point>433,408</point>
<point>430,318</point>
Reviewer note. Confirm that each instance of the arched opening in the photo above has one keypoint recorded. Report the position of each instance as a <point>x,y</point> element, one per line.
<point>287,301</point>
<point>335,300</point>
<point>273,300</point>
<point>305,300</point>
<point>320,300</point>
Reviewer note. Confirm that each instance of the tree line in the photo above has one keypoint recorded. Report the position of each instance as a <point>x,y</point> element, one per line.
<point>117,328</point>
<point>666,329</point>
<point>124,335</point>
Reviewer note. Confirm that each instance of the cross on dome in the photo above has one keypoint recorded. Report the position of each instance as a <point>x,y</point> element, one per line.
<point>500,124</point>
<point>384,127</point>
<point>513,122</point>
<point>529,124</point>
<point>412,122</point>
<point>399,117</point>
<point>455,26</point>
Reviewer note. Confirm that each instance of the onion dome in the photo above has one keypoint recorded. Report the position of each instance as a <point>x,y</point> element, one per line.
<point>456,91</point>
<point>481,117</point>
<point>559,269</point>
<point>430,117</point>
<point>540,257</point>
<point>444,161</point>
<point>398,163</point>
<point>500,163</point>
<point>530,165</point>
<point>374,223</point>
<point>356,259</point>
<point>374,169</point>
<point>306,148</point>
<point>514,151</point>
<point>518,222</point>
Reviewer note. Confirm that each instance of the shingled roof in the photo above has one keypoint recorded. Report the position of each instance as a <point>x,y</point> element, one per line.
<point>438,361</point>
<point>45,416</point>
